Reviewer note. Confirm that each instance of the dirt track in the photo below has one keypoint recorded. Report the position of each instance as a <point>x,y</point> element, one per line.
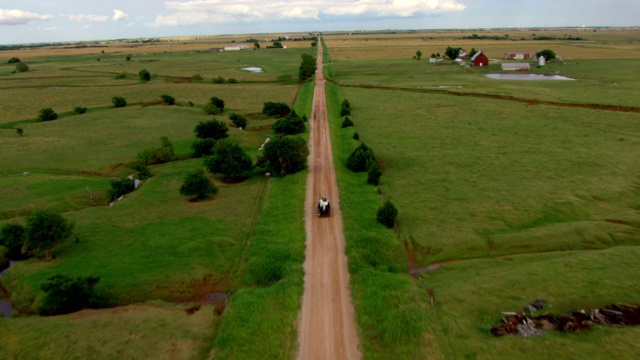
<point>326,327</point>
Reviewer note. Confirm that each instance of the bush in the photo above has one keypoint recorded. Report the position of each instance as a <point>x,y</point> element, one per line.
<point>217,102</point>
<point>202,147</point>
<point>290,125</point>
<point>276,109</point>
<point>548,54</point>
<point>13,60</point>
<point>142,170</point>
<point>373,175</point>
<point>19,131</point>
<point>232,81</point>
<point>347,122</point>
<point>12,237</point>
<point>238,120</point>
<point>65,295</point>
<point>229,160</point>
<point>168,99</point>
<point>197,77</point>
<point>121,75</point>
<point>197,184</point>
<point>356,136</point>
<point>286,155</point>
<point>47,114</point>
<point>387,214</point>
<point>360,158</point>
<point>345,108</point>
<point>79,110</point>
<point>213,129</point>
<point>144,75</point>
<point>218,80</point>
<point>45,230</point>
<point>120,188</point>
<point>211,109</point>
<point>22,67</point>
<point>118,101</point>
<point>157,155</point>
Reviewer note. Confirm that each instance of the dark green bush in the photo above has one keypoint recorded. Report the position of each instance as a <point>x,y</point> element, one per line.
<point>347,122</point>
<point>144,75</point>
<point>142,170</point>
<point>65,295</point>
<point>290,125</point>
<point>12,237</point>
<point>276,109</point>
<point>47,114</point>
<point>22,67</point>
<point>121,187</point>
<point>13,60</point>
<point>286,155</point>
<point>119,101</point>
<point>387,214</point>
<point>213,129</point>
<point>168,99</point>
<point>79,110</point>
<point>373,175</point>
<point>360,158</point>
<point>238,120</point>
<point>202,147</point>
<point>197,184</point>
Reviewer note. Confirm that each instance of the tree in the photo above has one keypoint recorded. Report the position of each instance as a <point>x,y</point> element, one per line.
<point>12,237</point>
<point>256,45</point>
<point>168,99</point>
<point>202,147</point>
<point>13,60</point>
<point>142,170</point>
<point>47,114</point>
<point>290,125</point>
<point>217,102</point>
<point>144,75</point>
<point>418,54</point>
<point>213,129</point>
<point>373,174</point>
<point>79,110</point>
<point>19,131</point>
<point>238,120</point>
<point>387,214</point>
<point>548,54</point>
<point>314,44</point>
<point>197,184</point>
<point>286,155</point>
<point>345,108</point>
<point>22,67</point>
<point>347,122</point>
<point>452,53</point>
<point>472,52</point>
<point>65,295</point>
<point>277,45</point>
<point>118,101</point>
<point>228,159</point>
<point>45,230</point>
<point>307,67</point>
<point>360,158</point>
<point>211,109</point>
<point>121,187</point>
<point>276,109</point>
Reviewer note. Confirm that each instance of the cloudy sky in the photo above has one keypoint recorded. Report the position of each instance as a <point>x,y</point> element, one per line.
<point>29,21</point>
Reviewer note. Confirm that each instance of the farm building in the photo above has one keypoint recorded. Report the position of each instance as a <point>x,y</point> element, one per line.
<point>235,48</point>
<point>515,66</point>
<point>479,59</point>
<point>518,55</point>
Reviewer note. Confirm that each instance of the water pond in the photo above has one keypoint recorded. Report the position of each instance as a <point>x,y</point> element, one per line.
<point>527,77</point>
<point>253,69</point>
<point>6,309</point>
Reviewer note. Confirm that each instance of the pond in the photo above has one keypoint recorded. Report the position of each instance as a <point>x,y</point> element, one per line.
<point>253,69</point>
<point>6,309</point>
<point>527,77</point>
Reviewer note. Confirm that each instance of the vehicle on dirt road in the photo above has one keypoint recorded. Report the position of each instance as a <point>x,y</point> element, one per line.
<point>324,207</point>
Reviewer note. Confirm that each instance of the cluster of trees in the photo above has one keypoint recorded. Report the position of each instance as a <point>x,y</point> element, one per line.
<point>291,124</point>
<point>307,67</point>
<point>157,154</point>
<point>486,37</point>
<point>548,54</point>
<point>275,45</point>
<point>274,109</point>
<point>452,53</point>
<point>215,106</point>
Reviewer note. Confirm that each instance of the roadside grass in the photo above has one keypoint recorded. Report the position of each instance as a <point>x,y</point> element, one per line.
<point>476,177</point>
<point>151,330</point>
<point>389,306</point>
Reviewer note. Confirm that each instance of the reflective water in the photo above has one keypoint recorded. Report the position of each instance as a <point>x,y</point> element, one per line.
<point>527,77</point>
<point>252,69</point>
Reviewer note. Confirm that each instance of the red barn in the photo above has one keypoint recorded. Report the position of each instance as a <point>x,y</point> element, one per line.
<point>480,59</point>
<point>518,55</point>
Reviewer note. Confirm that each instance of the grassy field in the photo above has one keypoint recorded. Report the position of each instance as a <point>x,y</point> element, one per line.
<point>541,200</point>
<point>154,244</point>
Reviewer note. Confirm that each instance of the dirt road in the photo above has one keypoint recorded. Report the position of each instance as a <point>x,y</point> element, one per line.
<point>326,327</point>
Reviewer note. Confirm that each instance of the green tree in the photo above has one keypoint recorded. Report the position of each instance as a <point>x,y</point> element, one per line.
<point>373,174</point>
<point>217,102</point>
<point>285,156</point>
<point>19,131</point>
<point>290,125</point>
<point>79,110</point>
<point>65,295</point>
<point>314,44</point>
<point>277,45</point>
<point>202,147</point>
<point>197,184</point>
<point>168,99</point>
<point>307,67</point>
<point>13,60</point>
<point>548,54</point>
<point>47,114</point>
<point>142,170</point>
<point>256,45</point>
<point>228,159</point>
<point>45,230</point>
<point>452,53</point>
<point>238,120</point>
<point>472,52</point>
<point>144,75</point>
<point>119,101</point>
<point>12,237</point>
<point>360,158</point>
<point>347,122</point>
<point>211,109</point>
<point>213,129</point>
<point>345,108</point>
<point>120,187</point>
<point>22,67</point>
<point>158,155</point>
<point>418,54</point>
<point>387,214</point>
<point>276,109</point>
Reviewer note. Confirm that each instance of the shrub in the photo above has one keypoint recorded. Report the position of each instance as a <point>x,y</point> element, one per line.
<point>373,175</point>
<point>118,101</point>
<point>197,77</point>
<point>168,99</point>
<point>217,102</point>
<point>290,125</point>
<point>144,75</point>
<point>45,230</point>
<point>19,131</point>
<point>548,54</point>
<point>347,122</point>
<point>121,75</point>
<point>232,81</point>
<point>121,187</point>
<point>286,155</point>
<point>345,108</point>
<point>202,147</point>
<point>229,160</point>
<point>142,170</point>
<point>13,60</point>
<point>12,237</point>
<point>197,184</point>
<point>65,295</point>
<point>79,110</point>
<point>356,136</point>
<point>213,129</point>
<point>360,158</point>
<point>22,67</point>
<point>238,120</point>
<point>157,155</point>
<point>47,114</point>
<point>218,80</point>
<point>387,214</point>
<point>128,58</point>
<point>211,109</point>
<point>276,109</point>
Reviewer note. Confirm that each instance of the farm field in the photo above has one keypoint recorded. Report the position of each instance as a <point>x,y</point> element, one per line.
<point>155,250</point>
<point>512,201</point>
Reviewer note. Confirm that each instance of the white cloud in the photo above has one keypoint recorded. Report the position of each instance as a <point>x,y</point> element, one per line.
<point>85,18</point>
<point>227,11</point>
<point>19,17</point>
<point>119,15</point>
